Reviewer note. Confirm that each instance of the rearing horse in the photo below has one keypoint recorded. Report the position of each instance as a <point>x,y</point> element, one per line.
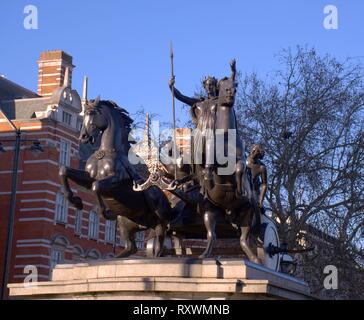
<point>110,176</point>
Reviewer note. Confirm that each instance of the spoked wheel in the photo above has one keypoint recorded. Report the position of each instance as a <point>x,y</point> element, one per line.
<point>269,238</point>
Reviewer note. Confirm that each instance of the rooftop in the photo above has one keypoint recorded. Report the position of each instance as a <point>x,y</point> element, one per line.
<point>10,91</point>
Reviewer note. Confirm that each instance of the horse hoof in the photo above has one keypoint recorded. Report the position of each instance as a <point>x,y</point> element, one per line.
<point>77,202</point>
<point>158,254</point>
<point>126,253</point>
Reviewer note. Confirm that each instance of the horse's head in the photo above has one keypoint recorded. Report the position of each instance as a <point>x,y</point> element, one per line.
<point>94,122</point>
<point>227,92</point>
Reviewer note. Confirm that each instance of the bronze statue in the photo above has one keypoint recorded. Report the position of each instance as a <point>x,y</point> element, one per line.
<point>207,118</point>
<point>224,203</point>
<point>258,172</point>
<point>111,177</point>
<point>225,195</point>
<point>230,194</point>
<point>203,116</point>
<point>202,113</point>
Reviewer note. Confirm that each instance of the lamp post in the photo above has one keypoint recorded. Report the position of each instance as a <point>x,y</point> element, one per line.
<point>14,181</point>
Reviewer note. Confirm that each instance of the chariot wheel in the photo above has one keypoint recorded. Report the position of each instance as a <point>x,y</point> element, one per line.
<point>269,238</point>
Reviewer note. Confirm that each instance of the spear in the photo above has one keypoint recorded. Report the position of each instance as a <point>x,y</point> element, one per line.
<point>174,116</point>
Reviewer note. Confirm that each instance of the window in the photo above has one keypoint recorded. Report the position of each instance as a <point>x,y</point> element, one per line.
<point>59,245</point>
<point>56,257</point>
<point>93,254</point>
<point>139,239</point>
<point>64,157</point>
<point>93,228</point>
<point>78,222</point>
<point>79,124</point>
<point>61,208</point>
<point>110,231</point>
<point>66,118</point>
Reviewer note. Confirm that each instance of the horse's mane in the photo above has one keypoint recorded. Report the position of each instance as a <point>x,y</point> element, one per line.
<point>123,113</point>
<point>126,121</point>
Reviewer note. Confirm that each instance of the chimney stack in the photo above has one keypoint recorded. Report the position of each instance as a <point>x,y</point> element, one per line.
<point>52,71</point>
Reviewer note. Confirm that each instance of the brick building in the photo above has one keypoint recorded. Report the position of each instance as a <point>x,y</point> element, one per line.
<point>47,230</point>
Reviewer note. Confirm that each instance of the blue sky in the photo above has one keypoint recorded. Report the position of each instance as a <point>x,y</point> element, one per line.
<point>123,46</point>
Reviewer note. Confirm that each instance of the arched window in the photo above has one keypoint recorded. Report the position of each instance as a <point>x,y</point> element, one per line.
<point>93,254</point>
<point>109,255</point>
<point>59,245</point>
<point>77,254</point>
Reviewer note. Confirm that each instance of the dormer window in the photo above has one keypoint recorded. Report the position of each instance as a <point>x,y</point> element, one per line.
<point>66,118</point>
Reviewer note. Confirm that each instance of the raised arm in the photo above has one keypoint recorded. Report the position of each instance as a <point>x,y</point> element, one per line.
<point>180,96</point>
<point>233,69</point>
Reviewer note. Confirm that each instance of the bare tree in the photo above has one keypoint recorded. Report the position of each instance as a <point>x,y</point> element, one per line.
<point>309,119</point>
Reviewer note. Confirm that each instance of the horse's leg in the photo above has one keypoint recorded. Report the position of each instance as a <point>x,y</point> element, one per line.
<point>178,244</point>
<point>158,202</point>
<point>104,185</point>
<point>244,243</point>
<point>80,177</point>
<point>160,232</point>
<point>209,219</point>
<point>127,230</point>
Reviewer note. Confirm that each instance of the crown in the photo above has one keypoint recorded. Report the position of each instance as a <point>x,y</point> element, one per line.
<point>213,79</point>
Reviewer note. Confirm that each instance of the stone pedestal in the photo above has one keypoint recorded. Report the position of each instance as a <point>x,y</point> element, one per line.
<point>164,278</point>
